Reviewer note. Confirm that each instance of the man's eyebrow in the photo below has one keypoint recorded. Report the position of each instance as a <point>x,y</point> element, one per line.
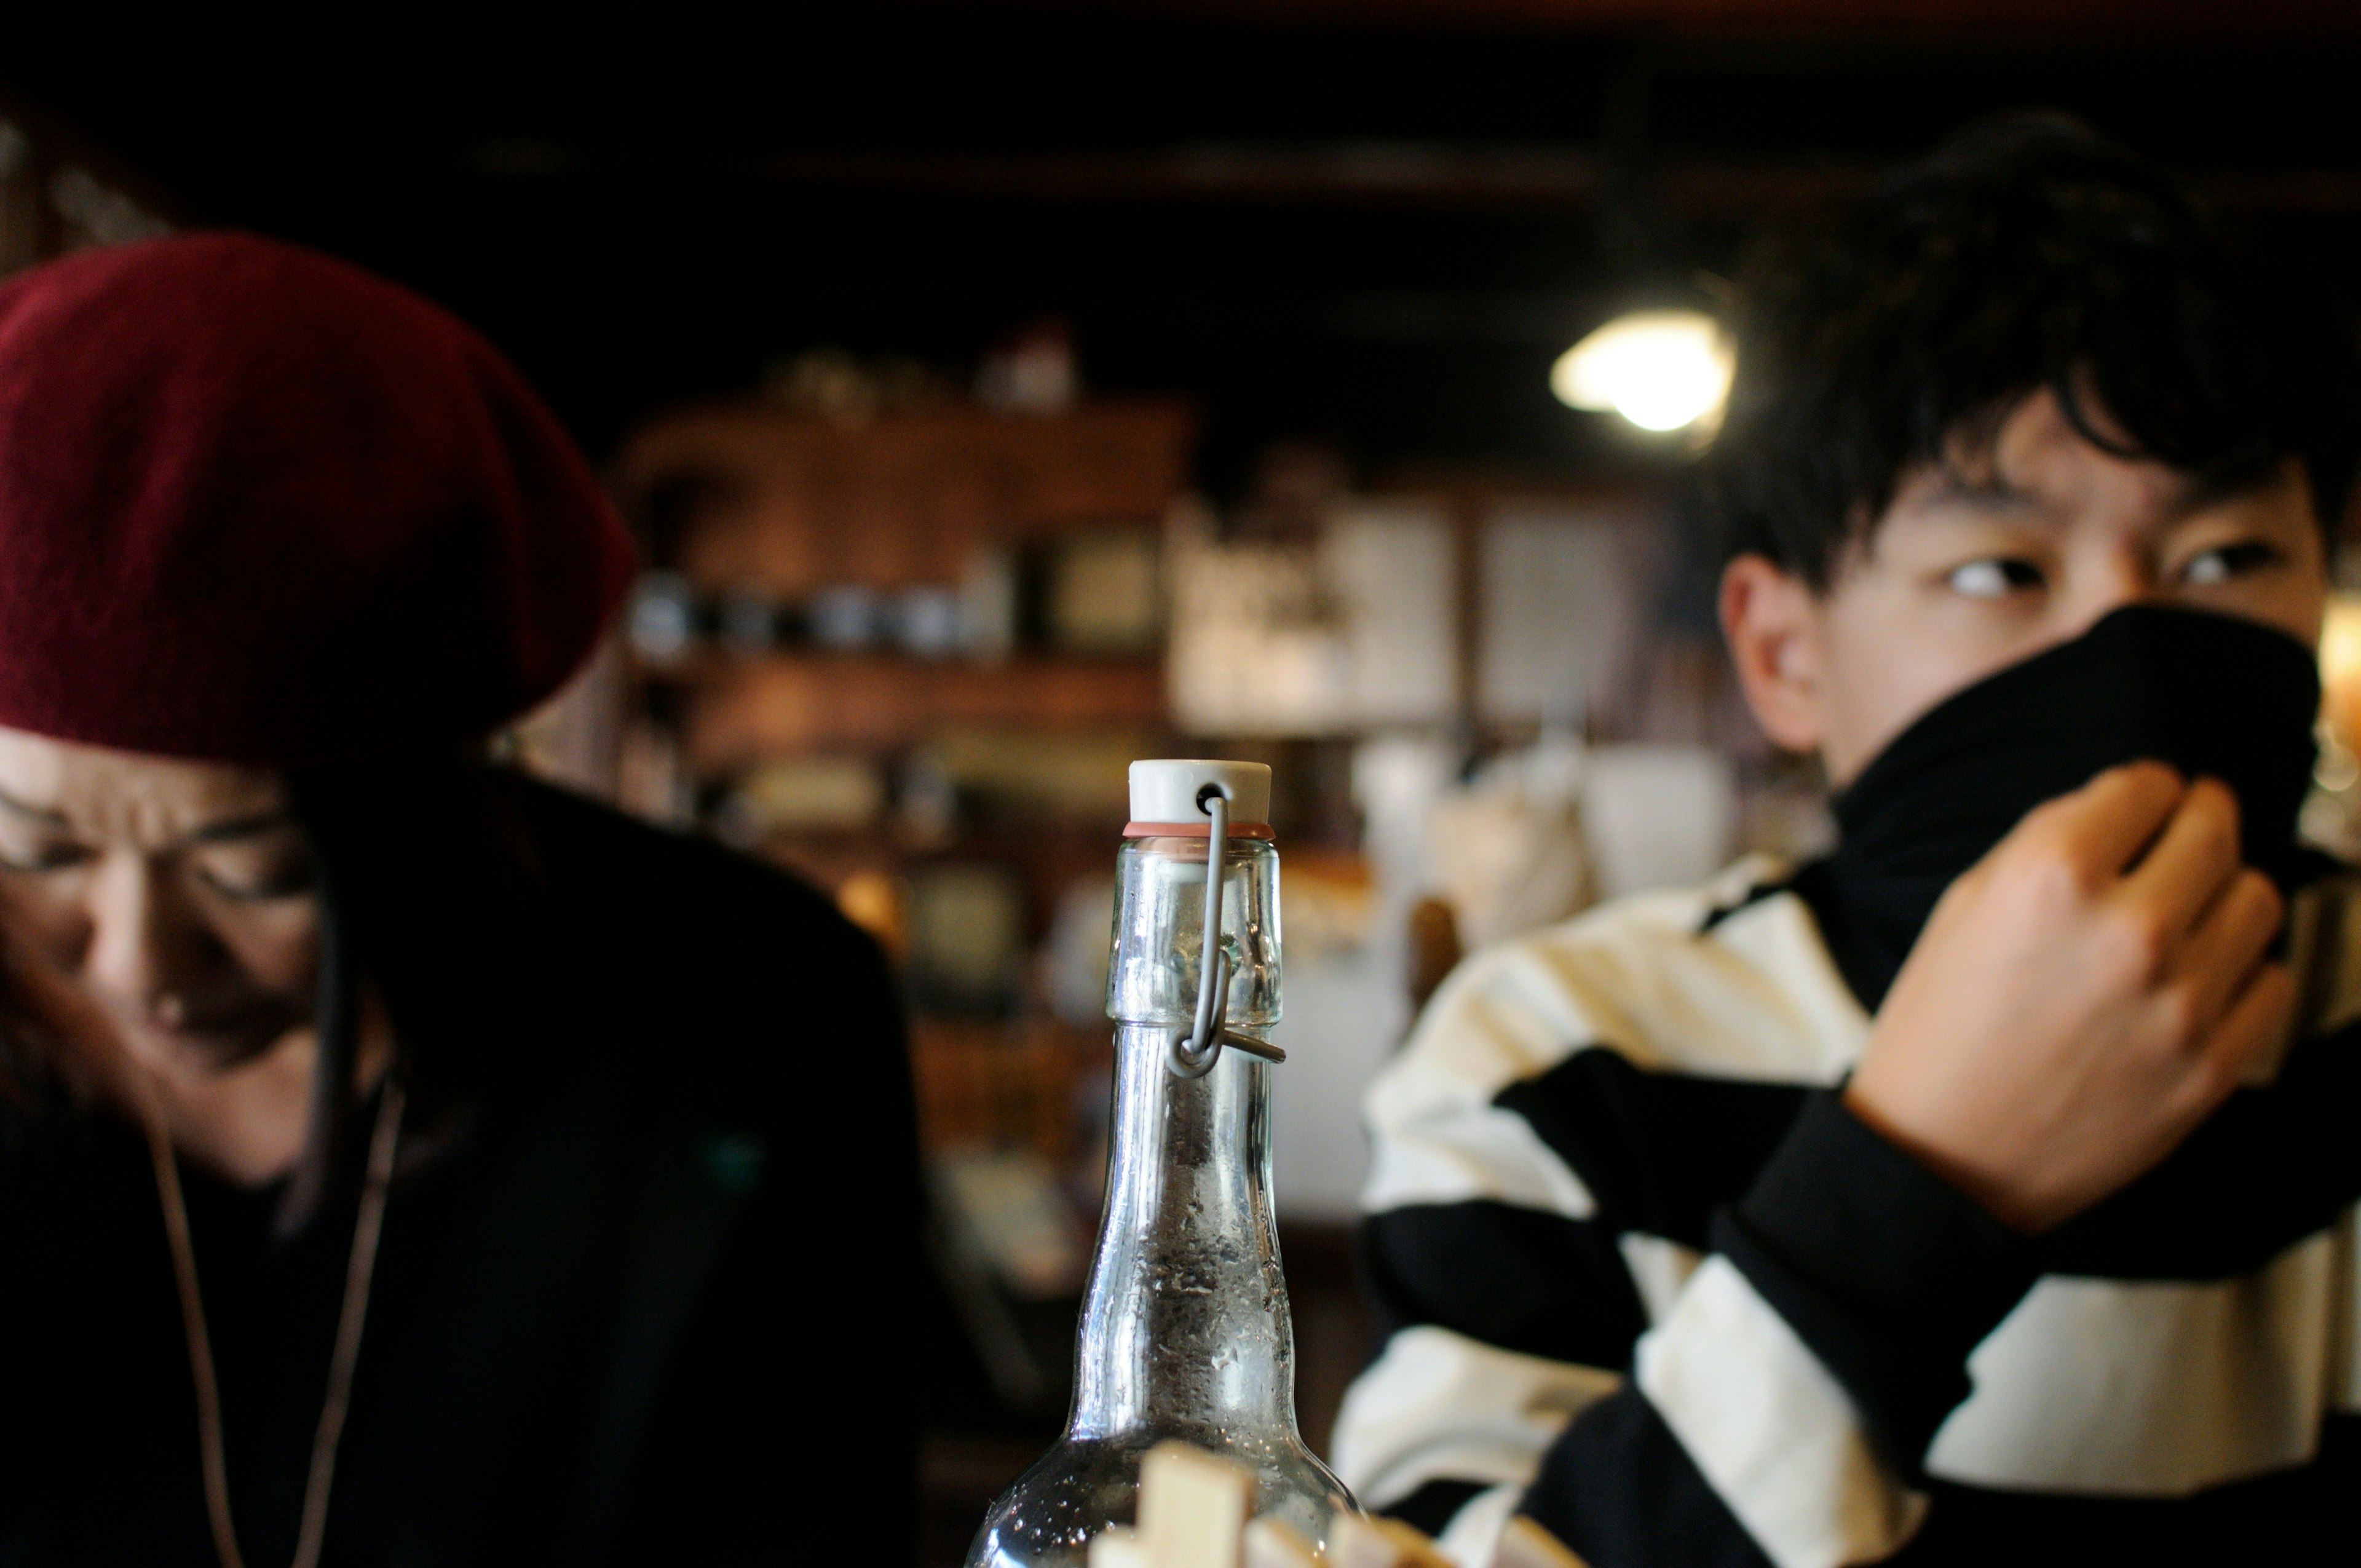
<point>42,814</point>
<point>242,826</point>
<point>2199,491</point>
<point>1980,492</point>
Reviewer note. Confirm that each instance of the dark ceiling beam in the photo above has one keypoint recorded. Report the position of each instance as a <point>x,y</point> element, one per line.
<point>1382,174</point>
<point>1924,20</point>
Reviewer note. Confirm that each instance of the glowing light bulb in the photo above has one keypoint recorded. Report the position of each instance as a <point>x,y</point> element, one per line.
<point>1662,370</point>
<point>2340,667</point>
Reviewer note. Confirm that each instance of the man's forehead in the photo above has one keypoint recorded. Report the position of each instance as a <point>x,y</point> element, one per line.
<point>2036,466</point>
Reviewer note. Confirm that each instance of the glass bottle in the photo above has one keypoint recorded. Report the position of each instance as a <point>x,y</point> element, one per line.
<point>1185,1332</point>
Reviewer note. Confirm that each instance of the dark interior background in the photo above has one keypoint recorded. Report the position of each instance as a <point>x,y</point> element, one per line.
<point>1369,223</point>
<point>1374,224</point>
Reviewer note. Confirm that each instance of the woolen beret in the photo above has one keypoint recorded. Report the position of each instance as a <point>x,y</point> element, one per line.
<point>259,505</point>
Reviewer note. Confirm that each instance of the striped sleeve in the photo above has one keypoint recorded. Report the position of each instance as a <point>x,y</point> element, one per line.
<point>1606,1301</point>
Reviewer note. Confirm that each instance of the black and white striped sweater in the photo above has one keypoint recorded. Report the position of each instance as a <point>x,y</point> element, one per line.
<point>1644,1279</point>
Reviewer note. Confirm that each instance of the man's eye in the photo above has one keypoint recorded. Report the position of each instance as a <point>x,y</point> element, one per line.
<point>2225,561</point>
<point>1994,577</point>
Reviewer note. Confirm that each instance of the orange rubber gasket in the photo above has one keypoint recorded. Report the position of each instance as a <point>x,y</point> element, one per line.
<point>1195,830</point>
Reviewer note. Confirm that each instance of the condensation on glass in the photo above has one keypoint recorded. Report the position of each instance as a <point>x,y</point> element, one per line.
<point>1185,1330</point>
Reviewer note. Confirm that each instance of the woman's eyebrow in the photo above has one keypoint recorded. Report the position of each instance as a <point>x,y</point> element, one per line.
<point>46,815</point>
<point>242,826</point>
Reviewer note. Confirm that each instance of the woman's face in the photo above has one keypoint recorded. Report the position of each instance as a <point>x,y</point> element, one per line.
<point>154,909</point>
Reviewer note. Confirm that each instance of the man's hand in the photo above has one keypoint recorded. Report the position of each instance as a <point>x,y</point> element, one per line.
<point>2081,999</point>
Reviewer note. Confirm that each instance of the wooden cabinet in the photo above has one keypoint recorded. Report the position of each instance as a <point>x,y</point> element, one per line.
<point>745,499</point>
<point>746,502</point>
<point>791,504</point>
<point>741,712</point>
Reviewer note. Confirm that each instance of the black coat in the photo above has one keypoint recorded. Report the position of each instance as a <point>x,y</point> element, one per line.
<point>646,1299</point>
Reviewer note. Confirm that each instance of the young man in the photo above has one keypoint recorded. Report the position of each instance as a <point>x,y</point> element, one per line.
<point>1990,1185</point>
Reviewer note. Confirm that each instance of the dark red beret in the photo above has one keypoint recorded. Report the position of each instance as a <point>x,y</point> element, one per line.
<point>259,505</point>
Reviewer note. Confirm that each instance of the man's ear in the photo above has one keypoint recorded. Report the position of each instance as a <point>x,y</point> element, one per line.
<point>1771,619</point>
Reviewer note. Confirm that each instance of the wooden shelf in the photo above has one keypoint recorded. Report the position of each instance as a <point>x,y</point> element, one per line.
<point>738,712</point>
<point>1004,1085</point>
<point>789,504</point>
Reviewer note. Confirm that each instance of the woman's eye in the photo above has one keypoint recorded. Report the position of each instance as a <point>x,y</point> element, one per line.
<point>36,859</point>
<point>254,874</point>
<point>1994,577</point>
<point>2225,561</point>
<point>245,884</point>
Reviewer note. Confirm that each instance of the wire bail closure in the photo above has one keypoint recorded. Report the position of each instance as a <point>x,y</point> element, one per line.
<point>1194,1051</point>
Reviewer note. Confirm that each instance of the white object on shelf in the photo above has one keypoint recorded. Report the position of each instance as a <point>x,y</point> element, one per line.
<point>926,620</point>
<point>1104,592</point>
<point>987,605</point>
<point>845,617</point>
<point>1256,648</point>
<point>1305,639</point>
<point>662,617</point>
<point>811,795</point>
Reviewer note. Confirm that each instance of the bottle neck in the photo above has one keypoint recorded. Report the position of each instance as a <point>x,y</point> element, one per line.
<point>1185,1325</point>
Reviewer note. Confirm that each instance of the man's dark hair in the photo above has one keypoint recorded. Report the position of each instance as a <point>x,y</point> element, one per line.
<point>2029,252</point>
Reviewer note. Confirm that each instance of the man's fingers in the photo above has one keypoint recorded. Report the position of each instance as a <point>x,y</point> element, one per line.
<point>2256,1021</point>
<point>2118,814</point>
<point>2193,861</point>
<point>2229,939</point>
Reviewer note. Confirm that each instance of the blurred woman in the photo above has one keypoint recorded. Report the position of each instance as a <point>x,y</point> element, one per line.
<point>400,1161</point>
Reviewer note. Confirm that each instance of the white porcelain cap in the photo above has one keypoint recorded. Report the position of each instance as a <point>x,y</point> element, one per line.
<point>1166,790</point>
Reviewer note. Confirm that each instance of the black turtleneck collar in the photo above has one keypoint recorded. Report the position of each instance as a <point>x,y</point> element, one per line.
<point>2210,694</point>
